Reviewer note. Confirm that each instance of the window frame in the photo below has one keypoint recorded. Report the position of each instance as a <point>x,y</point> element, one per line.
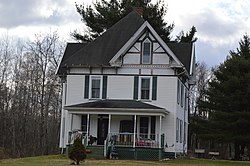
<point>150,52</point>
<point>140,87</point>
<point>144,135</point>
<point>95,77</point>
<point>177,130</point>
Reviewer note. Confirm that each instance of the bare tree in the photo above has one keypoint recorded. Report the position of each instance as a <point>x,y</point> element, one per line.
<point>203,76</point>
<point>29,96</point>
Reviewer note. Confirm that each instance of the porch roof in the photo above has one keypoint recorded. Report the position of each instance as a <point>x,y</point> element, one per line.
<point>119,106</point>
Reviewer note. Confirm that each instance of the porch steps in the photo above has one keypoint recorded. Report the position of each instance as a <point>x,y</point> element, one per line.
<point>96,152</point>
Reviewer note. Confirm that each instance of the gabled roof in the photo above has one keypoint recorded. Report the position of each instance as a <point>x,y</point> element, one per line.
<point>183,51</point>
<point>71,48</point>
<point>102,49</point>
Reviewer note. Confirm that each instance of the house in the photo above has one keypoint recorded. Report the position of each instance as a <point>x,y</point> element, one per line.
<point>128,89</point>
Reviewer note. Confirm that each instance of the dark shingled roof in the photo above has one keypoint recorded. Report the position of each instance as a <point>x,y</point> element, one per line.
<point>71,48</point>
<point>100,51</point>
<point>103,49</point>
<point>131,104</point>
<point>183,52</point>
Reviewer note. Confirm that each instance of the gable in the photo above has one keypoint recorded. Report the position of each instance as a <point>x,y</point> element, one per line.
<point>122,44</point>
<point>134,54</point>
<point>131,52</point>
<point>102,49</point>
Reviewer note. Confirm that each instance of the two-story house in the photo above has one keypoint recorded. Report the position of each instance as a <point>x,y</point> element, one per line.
<point>127,88</point>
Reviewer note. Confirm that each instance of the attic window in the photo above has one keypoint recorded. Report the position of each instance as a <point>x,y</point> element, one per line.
<point>146,52</point>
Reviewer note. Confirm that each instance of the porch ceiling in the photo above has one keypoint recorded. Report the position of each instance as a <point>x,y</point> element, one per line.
<point>117,107</point>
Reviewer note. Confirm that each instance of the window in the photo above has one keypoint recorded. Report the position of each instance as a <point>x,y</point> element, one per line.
<point>178,91</point>
<point>84,123</point>
<point>95,87</point>
<point>144,127</point>
<point>126,126</point>
<point>182,95</point>
<point>145,88</point>
<point>185,100</point>
<point>181,130</point>
<point>185,132</point>
<point>146,54</point>
<point>152,127</point>
<point>177,130</point>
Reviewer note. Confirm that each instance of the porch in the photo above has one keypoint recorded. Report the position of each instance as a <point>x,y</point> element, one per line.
<point>132,127</point>
<point>126,145</point>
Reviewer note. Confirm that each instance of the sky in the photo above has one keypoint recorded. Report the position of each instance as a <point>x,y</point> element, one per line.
<point>220,24</point>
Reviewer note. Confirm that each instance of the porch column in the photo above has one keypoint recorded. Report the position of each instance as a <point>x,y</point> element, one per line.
<point>109,123</point>
<point>160,131</point>
<point>71,121</point>
<point>134,130</point>
<point>87,125</point>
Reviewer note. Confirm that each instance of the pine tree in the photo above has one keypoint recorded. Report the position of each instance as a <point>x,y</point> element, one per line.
<point>228,99</point>
<point>105,13</point>
<point>77,151</point>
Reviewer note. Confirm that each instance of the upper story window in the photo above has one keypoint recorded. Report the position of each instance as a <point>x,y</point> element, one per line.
<point>95,87</point>
<point>146,52</point>
<point>145,88</point>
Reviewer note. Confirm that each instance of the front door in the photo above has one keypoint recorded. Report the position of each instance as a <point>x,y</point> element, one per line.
<point>102,130</point>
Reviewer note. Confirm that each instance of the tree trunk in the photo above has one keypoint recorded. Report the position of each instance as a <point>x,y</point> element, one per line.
<point>236,151</point>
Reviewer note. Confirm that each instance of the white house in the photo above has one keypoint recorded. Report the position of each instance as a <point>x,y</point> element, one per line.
<point>130,88</point>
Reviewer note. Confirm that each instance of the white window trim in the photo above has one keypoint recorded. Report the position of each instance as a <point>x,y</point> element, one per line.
<point>90,86</point>
<point>150,87</point>
<point>150,51</point>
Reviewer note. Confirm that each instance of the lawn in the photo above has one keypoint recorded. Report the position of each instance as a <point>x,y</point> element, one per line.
<point>60,160</point>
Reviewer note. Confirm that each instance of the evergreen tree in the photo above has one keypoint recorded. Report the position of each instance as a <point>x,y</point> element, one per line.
<point>105,13</point>
<point>77,151</point>
<point>228,99</point>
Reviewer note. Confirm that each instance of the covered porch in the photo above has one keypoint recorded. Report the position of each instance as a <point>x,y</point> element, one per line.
<point>127,125</point>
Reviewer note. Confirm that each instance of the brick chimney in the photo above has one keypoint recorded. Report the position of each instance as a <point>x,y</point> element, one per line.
<point>139,10</point>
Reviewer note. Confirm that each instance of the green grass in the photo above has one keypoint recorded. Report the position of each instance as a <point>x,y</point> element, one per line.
<point>61,160</point>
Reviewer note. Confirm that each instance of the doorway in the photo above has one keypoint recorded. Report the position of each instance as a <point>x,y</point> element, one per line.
<point>102,130</point>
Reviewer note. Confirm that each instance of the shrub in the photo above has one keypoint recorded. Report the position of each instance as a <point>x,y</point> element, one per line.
<point>77,151</point>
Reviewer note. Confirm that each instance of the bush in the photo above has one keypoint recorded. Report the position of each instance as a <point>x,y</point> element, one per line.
<point>77,151</point>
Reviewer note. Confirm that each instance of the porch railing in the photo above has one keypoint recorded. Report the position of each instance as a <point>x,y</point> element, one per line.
<point>127,140</point>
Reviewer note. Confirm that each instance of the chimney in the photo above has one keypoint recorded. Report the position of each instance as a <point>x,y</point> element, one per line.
<point>139,10</point>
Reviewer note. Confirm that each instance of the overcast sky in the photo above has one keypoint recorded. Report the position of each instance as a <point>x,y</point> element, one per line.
<point>220,23</point>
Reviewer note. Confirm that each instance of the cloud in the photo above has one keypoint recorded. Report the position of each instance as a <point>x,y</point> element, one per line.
<point>33,12</point>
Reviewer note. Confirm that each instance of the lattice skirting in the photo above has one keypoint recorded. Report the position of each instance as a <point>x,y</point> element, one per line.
<point>140,153</point>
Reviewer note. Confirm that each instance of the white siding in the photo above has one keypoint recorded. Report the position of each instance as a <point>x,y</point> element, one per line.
<point>96,71</point>
<point>78,70</point>
<point>115,122</point>
<point>75,89</point>
<point>120,87</point>
<point>160,59</point>
<point>163,72</point>
<point>131,58</point>
<point>127,71</point>
<point>146,71</point>
<point>76,123</point>
<point>109,71</point>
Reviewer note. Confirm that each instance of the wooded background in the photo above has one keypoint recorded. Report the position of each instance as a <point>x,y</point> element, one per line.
<point>30,95</point>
